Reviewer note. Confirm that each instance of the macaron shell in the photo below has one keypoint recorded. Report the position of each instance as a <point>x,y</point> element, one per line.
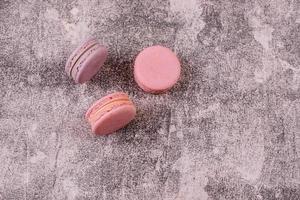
<point>156,68</point>
<point>146,89</point>
<point>78,52</point>
<point>90,65</point>
<point>115,119</point>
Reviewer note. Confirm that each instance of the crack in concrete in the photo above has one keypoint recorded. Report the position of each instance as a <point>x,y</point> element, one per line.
<point>58,149</point>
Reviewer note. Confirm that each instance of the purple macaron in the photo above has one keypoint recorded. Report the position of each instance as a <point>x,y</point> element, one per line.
<point>86,60</point>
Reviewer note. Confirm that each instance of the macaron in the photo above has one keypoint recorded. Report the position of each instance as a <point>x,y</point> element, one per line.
<point>86,60</point>
<point>156,69</point>
<point>110,113</point>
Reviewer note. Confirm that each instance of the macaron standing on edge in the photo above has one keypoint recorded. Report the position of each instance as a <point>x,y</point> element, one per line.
<point>86,60</point>
<point>156,69</point>
<point>110,113</point>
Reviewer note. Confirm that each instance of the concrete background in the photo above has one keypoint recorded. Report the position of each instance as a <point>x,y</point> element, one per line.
<point>229,130</point>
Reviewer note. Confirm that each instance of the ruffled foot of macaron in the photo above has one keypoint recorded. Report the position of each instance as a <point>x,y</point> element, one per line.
<point>111,113</point>
<point>86,60</point>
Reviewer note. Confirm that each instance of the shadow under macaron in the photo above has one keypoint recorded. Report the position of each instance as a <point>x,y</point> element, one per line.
<point>144,129</point>
<point>116,73</point>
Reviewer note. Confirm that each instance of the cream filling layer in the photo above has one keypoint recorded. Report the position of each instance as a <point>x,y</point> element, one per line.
<point>107,107</point>
<point>78,57</point>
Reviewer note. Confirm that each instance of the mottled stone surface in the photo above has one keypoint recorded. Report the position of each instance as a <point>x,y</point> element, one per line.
<point>229,130</point>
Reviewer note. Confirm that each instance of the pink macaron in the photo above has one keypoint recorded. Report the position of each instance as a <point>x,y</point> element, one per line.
<point>110,113</point>
<point>156,69</point>
<point>86,60</point>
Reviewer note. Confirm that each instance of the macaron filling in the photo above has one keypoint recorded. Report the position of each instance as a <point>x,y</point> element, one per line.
<point>107,107</point>
<point>78,64</point>
<point>77,54</point>
<point>86,61</point>
<point>104,101</point>
<point>80,56</point>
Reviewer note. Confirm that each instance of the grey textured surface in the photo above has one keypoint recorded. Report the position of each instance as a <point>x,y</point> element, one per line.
<point>229,130</point>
